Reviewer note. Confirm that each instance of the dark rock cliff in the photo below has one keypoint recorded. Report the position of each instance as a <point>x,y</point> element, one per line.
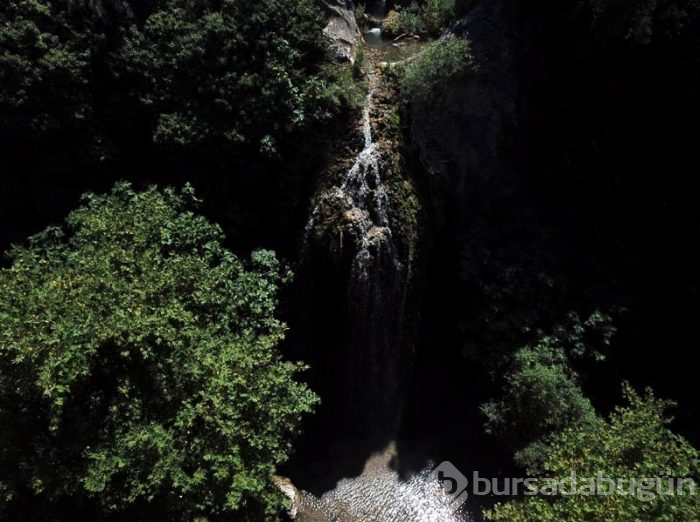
<point>567,153</point>
<point>467,138</point>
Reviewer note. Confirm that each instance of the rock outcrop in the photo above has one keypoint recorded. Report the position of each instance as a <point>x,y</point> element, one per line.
<point>290,491</point>
<point>342,27</point>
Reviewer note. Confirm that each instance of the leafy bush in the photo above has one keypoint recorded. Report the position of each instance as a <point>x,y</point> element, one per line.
<point>437,64</point>
<point>430,16</point>
<point>437,14</point>
<point>635,443</point>
<point>242,72</point>
<point>393,24</point>
<point>44,69</point>
<point>410,20</point>
<point>138,366</point>
<point>541,397</point>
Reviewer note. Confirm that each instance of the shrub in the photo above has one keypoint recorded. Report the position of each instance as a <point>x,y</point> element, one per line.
<point>403,20</point>
<point>392,24</point>
<point>139,370</point>
<point>635,443</point>
<point>437,14</point>
<point>437,64</point>
<point>431,16</point>
<point>410,20</point>
<point>44,69</point>
<point>541,397</point>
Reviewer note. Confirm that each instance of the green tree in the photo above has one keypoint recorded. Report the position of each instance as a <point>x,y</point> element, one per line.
<point>240,70</point>
<point>236,71</point>
<point>635,443</point>
<point>174,90</point>
<point>139,366</point>
<point>44,69</point>
<point>541,397</point>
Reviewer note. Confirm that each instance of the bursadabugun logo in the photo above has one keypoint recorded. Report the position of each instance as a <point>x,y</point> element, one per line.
<point>454,484</point>
<point>458,488</point>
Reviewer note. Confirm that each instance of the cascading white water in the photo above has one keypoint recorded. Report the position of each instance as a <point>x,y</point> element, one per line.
<point>363,193</point>
<point>366,164</point>
<point>350,230</point>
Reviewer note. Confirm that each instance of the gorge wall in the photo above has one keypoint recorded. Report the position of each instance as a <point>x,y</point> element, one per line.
<point>358,269</point>
<point>560,167</point>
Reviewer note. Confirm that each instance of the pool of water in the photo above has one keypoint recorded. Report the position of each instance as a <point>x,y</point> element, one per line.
<point>381,491</point>
<point>375,38</point>
<point>392,51</point>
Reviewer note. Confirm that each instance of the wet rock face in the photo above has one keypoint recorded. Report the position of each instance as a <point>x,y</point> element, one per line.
<point>350,229</point>
<point>343,230</point>
<point>356,276</point>
<point>357,324</point>
<point>357,208</point>
<point>342,27</point>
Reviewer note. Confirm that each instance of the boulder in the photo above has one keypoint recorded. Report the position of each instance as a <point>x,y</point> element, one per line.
<point>290,491</point>
<point>342,27</point>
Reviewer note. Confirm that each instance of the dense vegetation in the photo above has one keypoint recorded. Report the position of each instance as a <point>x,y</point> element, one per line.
<point>541,397</point>
<point>141,373</point>
<point>428,17</point>
<point>635,444</point>
<point>438,64</point>
<point>139,370</point>
<point>224,94</point>
<point>241,73</point>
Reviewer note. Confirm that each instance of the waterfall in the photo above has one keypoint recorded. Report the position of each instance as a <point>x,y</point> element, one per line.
<point>350,228</point>
<point>358,308</point>
<point>364,194</point>
<point>376,9</point>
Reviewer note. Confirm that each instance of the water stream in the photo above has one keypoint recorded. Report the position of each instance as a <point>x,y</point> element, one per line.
<point>380,494</point>
<point>364,194</point>
<point>368,364</point>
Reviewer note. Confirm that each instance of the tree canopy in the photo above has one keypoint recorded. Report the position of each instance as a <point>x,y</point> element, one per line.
<point>139,366</point>
<point>635,443</point>
<point>238,71</point>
